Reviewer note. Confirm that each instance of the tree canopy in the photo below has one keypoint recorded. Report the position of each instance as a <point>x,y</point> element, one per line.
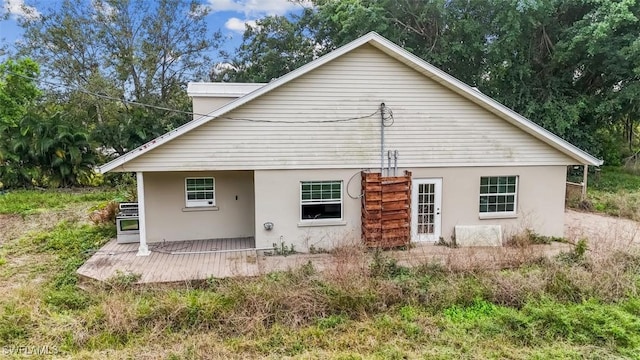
<point>73,93</point>
<point>133,50</point>
<point>38,143</point>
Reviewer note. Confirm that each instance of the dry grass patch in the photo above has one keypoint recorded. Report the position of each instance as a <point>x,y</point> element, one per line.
<point>583,304</point>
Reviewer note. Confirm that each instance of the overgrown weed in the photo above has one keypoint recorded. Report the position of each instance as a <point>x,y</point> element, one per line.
<point>366,304</point>
<point>613,192</point>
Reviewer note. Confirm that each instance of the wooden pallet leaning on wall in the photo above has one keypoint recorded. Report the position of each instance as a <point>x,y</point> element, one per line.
<point>386,210</point>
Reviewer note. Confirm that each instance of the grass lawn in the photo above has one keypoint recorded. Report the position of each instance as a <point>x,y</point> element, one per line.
<point>577,306</point>
<point>615,192</point>
<point>25,202</point>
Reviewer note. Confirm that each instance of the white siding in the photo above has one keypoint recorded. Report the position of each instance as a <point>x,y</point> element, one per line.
<point>433,126</point>
<point>204,105</point>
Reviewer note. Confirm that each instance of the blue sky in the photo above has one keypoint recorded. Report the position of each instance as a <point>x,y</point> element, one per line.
<point>228,16</point>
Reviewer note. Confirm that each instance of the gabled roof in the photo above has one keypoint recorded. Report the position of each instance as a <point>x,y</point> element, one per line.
<point>399,54</point>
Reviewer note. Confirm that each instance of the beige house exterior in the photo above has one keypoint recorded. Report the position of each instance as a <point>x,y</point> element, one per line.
<point>281,161</point>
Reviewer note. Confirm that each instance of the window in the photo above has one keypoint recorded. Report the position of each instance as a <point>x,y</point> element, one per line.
<point>498,194</point>
<point>129,225</point>
<point>320,200</point>
<point>200,192</point>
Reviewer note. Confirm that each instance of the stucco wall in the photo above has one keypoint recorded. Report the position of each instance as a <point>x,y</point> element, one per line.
<point>278,201</point>
<point>169,220</point>
<point>540,197</point>
<point>540,203</point>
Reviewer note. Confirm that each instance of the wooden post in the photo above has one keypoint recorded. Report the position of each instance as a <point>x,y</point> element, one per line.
<point>143,249</point>
<point>585,173</point>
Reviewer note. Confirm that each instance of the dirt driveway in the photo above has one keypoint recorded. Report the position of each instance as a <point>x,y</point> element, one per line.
<point>601,229</point>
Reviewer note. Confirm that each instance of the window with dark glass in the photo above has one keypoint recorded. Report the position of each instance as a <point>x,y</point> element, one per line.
<point>498,194</point>
<point>321,200</point>
<point>200,192</point>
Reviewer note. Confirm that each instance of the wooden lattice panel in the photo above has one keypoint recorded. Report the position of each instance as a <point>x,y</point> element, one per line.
<point>386,210</point>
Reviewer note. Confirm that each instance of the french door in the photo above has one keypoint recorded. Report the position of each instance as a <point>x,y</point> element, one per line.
<point>426,202</point>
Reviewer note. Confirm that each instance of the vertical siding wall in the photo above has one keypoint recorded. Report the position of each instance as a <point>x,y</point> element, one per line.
<point>433,126</point>
<point>169,220</point>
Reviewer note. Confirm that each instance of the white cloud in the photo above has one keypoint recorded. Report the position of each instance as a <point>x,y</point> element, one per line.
<point>18,9</point>
<point>238,25</point>
<point>221,66</point>
<point>104,8</point>
<point>255,8</point>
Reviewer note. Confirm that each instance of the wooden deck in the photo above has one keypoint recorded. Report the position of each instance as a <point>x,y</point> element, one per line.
<point>221,258</point>
<point>174,261</point>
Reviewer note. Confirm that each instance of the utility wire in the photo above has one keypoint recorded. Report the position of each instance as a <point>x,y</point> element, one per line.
<point>103,96</point>
<point>107,97</point>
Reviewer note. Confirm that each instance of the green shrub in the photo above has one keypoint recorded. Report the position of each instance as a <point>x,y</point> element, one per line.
<point>67,297</point>
<point>560,285</point>
<point>613,179</point>
<point>476,310</point>
<point>530,237</point>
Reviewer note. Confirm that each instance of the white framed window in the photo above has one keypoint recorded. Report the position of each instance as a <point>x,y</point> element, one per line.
<point>498,195</point>
<point>200,191</point>
<point>320,200</point>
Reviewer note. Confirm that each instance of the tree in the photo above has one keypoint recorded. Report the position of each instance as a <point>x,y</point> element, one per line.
<point>39,145</point>
<point>133,50</point>
<point>275,46</point>
<point>18,94</point>
<point>601,52</point>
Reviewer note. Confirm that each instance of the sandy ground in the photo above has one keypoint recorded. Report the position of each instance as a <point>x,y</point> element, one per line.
<point>601,228</point>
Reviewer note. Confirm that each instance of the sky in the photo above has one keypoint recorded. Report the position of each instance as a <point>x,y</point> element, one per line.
<point>228,16</point>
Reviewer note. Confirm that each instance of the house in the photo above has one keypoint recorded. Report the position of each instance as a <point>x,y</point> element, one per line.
<point>283,162</point>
